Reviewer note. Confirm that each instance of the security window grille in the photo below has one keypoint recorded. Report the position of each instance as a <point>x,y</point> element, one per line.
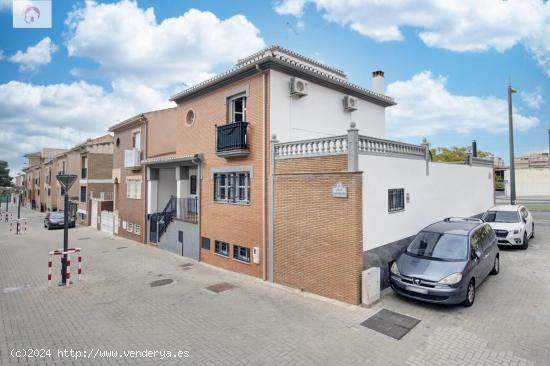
<point>193,184</point>
<point>133,188</point>
<point>232,187</point>
<point>396,199</point>
<point>83,194</point>
<point>221,248</point>
<point>238,109</point>
<point>241,253</point>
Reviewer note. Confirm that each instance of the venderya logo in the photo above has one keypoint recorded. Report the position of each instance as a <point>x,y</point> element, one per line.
<point>32,14</point>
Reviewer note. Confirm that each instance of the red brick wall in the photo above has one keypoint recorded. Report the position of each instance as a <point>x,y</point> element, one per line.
<point>318,238</point>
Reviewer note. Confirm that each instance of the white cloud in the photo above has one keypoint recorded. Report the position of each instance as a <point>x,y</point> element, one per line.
<point>61,115</point>
<point>128,43</point>
<point>533,99</point>
<point>425,107</point>
<point>290,7</point>
<point>35,56</point>
<point>466,25</point>
<point>5,4</point>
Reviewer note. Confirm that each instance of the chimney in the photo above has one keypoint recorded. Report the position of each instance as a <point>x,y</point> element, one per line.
<point>474,148</point>
<point>378,81</point>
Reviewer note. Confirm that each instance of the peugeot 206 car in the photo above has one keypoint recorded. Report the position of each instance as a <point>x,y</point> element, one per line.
<point>446,262</point>
<point>513,224</point>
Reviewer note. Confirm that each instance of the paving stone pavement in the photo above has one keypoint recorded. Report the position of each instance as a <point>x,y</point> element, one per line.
<point>114,308</point>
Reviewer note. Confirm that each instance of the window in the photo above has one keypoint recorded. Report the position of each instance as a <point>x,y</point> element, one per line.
<point>62,190</point>
<point>190,117</point>
<point>133,187</point>
<point>205,243</point>
<point>396,201</point>
<point>221,248</point>
<point>241,253</point>
<point>193,184</point>
<point>238,109</point>
<point>136,139</point>
<point>49,192</point>
<point>83,194</point>
<point>232,187</point>
<point>84,173</point>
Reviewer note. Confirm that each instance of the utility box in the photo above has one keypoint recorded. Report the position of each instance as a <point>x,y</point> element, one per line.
<point>370,286</point>
<point>256,255</point>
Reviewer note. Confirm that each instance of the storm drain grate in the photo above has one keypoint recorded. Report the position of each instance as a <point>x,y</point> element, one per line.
<point>84,238</point>
<point>187,265</point>
<point>105,251</point>
<point>165,281</point>
<point>122,247</point>
<point>221,287</point>
<point>390,323</point>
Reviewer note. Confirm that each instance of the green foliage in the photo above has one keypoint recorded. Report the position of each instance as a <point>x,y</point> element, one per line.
<point>5,179</point>
<point>455,153</point>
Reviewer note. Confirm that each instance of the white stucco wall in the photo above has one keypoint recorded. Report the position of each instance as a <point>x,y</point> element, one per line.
<point>529,182</point>
<point>448,190</point>
<point>319,114</point>
<point>167,186</point>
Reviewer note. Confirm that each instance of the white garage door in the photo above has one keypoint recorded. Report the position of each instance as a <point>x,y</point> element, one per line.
<point>107,221</point>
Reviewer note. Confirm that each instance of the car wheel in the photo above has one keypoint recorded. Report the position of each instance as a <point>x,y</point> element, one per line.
<point>49,227</point>
<point>470,294</point>
<point>533,231</point>
<point>496,266</point>
<point>525,243</point>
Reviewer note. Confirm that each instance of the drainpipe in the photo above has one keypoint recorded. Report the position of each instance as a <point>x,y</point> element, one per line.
<point>144,187</point>
<point>264,256</point>
<point>271,220</point>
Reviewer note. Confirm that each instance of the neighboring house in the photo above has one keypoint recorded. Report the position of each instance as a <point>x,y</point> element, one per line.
<point>260,170</point>
<point>534,160</point>
<point>35,188</point>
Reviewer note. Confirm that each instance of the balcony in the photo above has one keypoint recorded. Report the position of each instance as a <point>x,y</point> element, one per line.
<point>231,139</point>
<point>132,158</point>
<point>187,209</point>
<point>102,196</point>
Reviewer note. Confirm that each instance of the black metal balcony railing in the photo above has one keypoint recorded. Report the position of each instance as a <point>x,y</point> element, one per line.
<point>231,136</point>
<point>84,173</point>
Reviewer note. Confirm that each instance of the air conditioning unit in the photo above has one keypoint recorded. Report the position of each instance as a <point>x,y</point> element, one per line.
<point>298,87</point>
<point>350,103</point>
<point>256,255</point>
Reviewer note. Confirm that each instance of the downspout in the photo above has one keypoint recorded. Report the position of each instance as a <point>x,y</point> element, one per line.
<point>144,184</point>
<point>264,256</point>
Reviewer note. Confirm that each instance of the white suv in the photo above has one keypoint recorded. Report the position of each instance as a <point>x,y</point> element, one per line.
<point>513,224</point>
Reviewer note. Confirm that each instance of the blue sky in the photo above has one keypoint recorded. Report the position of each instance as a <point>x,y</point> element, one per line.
<point>448,69</point>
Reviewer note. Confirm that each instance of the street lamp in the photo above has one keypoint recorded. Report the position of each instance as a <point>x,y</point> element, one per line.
<point>66,181</point>
<point>511,139</point>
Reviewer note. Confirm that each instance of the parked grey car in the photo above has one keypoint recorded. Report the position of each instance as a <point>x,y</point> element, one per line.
<point>447,261</point>
<point>56,219</point>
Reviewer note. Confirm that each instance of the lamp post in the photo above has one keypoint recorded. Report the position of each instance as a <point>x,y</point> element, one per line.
<point>66,181</point>
<point>511,141</point>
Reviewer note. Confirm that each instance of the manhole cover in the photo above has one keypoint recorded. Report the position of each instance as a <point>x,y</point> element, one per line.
<point>221,287</point>
<point>390,323</point>
<point>165,281</point>
<point>84,238</point>
<point>122,247</point>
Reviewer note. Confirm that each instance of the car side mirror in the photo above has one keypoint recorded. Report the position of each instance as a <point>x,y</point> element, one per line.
<point>478,254</point>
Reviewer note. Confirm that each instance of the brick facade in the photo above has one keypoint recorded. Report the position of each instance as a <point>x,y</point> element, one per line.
<point>318,238</point>
<point>239,224</point>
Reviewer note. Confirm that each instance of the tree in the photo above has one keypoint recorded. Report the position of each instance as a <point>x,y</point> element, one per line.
<point>5,179</point>
<point>455,154</point>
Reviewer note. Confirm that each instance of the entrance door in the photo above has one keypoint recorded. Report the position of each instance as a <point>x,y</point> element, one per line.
<point>107,222</point>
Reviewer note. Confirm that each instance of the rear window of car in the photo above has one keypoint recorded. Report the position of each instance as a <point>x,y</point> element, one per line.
<point>501,216</point>
<point>439,246</point>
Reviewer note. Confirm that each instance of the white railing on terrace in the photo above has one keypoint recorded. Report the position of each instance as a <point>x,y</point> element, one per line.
<point>482,161</point>
<point>103,196</point>
<point>379,146</point>
<point>316,147</point>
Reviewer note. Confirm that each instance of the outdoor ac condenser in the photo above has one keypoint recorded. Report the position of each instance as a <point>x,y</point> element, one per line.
<point>298,87</point>
<point>350,103</point>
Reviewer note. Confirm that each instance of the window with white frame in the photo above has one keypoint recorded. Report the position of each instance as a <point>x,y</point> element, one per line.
<point>396,200</point>
<point>233,187</point>
<point>237,109</point>
<point>221,248</point>
<point>133,187</point>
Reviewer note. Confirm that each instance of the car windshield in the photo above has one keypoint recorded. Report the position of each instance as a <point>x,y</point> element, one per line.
<point>447,247</point>
<point>501,216</point>
<point>56,215</point>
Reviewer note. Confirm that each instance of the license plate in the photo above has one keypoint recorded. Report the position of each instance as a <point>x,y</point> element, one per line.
<point>416,289</point>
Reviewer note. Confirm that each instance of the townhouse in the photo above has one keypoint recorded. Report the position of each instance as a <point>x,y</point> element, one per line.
<point>279,168</point>
<point>91,161</point>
